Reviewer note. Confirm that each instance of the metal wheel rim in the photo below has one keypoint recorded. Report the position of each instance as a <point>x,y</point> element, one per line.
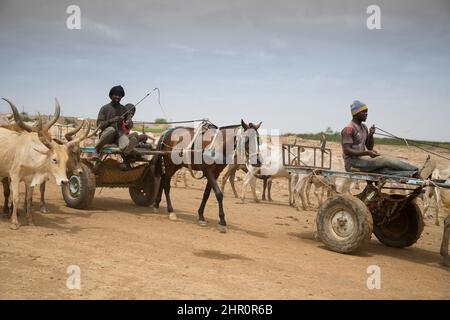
<point>342,223</point>
<point>74,186</point>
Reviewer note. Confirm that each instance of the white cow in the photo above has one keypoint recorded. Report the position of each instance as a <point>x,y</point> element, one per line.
<point>30,157</point>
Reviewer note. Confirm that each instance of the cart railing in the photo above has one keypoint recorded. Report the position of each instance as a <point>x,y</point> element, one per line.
<point>292,152</point>
<point>292,155</point>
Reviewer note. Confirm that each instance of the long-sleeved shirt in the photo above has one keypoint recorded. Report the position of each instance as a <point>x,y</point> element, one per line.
<point>109,111</point>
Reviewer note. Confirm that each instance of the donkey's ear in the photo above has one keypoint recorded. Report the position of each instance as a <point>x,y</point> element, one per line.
<point>244,125</point>
<point>257,125</point>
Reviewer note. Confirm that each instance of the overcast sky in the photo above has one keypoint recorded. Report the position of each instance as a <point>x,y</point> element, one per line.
<point>295,65</point>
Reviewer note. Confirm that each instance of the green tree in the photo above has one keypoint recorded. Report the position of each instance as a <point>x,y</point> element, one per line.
<point>329,130</point>
<point>160,120</point>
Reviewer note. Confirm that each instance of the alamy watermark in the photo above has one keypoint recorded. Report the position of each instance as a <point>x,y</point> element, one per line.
<point>373,22</point>
<point>73,21</point>
<point>374,280</point>
<point>73,281</point>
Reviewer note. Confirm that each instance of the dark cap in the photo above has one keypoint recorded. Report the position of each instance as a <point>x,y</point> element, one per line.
<point>117,90</point>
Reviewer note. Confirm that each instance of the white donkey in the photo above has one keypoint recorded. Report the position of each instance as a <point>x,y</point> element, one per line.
<point>272,167</point>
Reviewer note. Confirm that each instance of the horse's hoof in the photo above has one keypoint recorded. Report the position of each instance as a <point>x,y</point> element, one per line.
<point>15,226</point>
<point>202,223</point>
<point>155,209</point>
<point>437,223</point>
<point>173,216</point>
<point>43,209</point>
<point>222,229</point>
<point>31,224</point>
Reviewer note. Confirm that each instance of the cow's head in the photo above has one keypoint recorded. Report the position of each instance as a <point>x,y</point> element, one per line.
<point>73,149</point>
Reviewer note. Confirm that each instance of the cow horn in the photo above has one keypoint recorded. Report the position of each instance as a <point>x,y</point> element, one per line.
<point>69,135</point>
<point>41,135</point>
<point>93,133</point>
<point>78,140</point>
<point>18,118</point>
<point>56,115</point>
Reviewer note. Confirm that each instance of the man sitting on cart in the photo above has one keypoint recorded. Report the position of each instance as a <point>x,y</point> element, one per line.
<point>111,121</point>
<point>359,155</point>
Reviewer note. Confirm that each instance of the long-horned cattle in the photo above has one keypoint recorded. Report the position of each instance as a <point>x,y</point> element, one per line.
<point>30,157</point>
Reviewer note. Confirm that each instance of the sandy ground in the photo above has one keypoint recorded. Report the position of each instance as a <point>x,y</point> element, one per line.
<point>270,252</point>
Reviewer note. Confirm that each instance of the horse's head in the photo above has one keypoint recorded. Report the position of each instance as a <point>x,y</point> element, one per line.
<point>251,143</point>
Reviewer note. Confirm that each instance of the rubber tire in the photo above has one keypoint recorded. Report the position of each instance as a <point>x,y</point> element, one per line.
<point>411,218</point>
<point>144,195</point>
<point>360,213</point>
<point>87,190</point>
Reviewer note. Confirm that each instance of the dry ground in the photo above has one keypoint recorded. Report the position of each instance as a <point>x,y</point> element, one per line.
<point>269,252</point>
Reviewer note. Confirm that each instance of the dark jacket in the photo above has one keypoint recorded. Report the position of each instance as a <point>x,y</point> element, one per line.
<point>109,111</point>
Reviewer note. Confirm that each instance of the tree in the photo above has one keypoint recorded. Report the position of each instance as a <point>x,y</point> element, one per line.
<point>329,130</point>
<point>160,121</point>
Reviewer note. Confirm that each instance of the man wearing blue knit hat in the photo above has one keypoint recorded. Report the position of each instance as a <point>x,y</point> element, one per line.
<point>359,155</point>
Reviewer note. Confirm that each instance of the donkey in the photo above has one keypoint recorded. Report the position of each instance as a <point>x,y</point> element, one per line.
<point>185,149</point>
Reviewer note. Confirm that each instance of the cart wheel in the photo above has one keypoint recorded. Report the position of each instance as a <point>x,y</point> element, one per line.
<point>80,190</point>
<point>403,231</point>
<point>144,194</point>
<point>343,223</point>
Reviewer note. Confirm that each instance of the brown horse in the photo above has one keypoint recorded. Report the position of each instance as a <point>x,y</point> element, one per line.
<point>208,154</point>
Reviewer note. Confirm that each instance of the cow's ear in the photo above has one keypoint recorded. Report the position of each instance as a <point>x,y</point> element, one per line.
<point>258,125</point>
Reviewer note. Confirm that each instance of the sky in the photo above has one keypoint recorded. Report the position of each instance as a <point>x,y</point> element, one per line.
<point>294,65</point>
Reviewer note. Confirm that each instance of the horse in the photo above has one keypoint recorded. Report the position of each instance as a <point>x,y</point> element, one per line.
<point>184,149</point>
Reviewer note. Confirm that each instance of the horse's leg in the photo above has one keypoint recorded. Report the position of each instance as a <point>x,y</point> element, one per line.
<point>308,186</point>
<point>426,201</point>
<point>225,178</point>
<point>29,204</point>
<point>185,179</point>
<point>6,194</point>
<point>253,187</point>
<point>42,206</point>
<point>263,198</point>
<point>303,182</point>
<point>291,201</point>
<point>15,195</point>
<point>172,215</point>
<point>296,192</point>
<point>437,203</point>
<point>247,180</point>
<point>445,241</point>
<point>212,180</point>
<point>269,189</point>
<point>232,177</point>
<point>160,191</point>
<point>201,209</point>
<point>175,183</point>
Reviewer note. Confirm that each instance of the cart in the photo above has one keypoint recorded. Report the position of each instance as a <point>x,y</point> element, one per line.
<point>344,222</point>
<point>136,175</point>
